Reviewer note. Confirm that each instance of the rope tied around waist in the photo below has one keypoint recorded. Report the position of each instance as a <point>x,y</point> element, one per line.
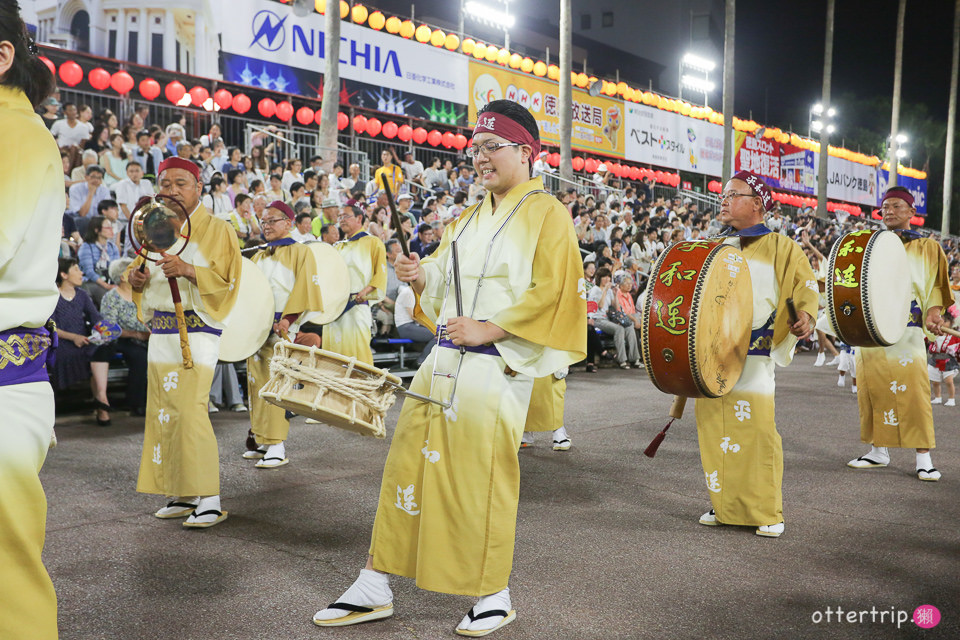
<point>367,391</point>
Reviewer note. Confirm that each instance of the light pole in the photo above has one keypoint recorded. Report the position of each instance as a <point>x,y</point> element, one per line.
<point>817,119</point>
<point>690,65</point>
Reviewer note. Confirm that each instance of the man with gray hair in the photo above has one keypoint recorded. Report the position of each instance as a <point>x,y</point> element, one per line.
<point>385,310</point>
<point>86,195</point>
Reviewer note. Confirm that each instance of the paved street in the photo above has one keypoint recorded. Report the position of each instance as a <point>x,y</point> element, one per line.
<point>608,544</point>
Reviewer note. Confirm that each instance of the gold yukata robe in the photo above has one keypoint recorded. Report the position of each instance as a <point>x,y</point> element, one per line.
<point>893,389</point>
<point>292,273</point>
<point>451,483</point>
<point>180,455</point>
<point>31,181</point>
<point>740,449</point>
<point>366,259</point>
<point>546,404</point>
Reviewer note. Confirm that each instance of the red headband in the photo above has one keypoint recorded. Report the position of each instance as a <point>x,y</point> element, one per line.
<point>282,207</point>
<point>759,187</point>
<point>894,192</point>
<point>506,128</point>
<point>179,163</point>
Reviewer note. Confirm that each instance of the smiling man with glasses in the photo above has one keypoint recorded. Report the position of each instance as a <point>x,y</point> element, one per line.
<point>740,448</point>
<point>451,484</point>
<point>292,273</point>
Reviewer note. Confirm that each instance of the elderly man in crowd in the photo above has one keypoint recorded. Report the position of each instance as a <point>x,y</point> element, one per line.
<point>86,196</point>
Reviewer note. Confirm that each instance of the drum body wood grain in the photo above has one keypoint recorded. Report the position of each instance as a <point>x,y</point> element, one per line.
<point>868,288</point>
<point>697,317</point>
<point>331,388</point>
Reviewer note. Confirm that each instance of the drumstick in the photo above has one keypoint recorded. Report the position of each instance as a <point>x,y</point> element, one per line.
<point>792,311</point>
<point>394,215</point>
<point>676,412</point>
<point>457,294</point>
<point>181,324</point>
<point>950,332</point>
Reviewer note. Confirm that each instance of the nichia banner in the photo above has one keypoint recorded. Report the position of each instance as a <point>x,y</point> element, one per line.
<point>266,45</point>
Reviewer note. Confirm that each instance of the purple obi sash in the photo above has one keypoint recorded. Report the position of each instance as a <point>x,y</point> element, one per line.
<point>26,354</point>
<point>916,315</point>
<point>277,315</point>
<point>761,340</point>
<point>165,322</point>
<point>485,349</point>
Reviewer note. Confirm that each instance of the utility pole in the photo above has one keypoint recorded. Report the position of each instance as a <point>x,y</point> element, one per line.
<point>728,41</point>
<point>895,116</point>
<point>951,126</point>
<point>822,169</point>
<point>566,93</point>
<point>331,87</point>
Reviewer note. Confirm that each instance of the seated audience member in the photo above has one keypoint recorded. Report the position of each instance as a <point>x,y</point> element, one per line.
<point>118,308</point>
<point>301,229</point>
<point>78,358</point>
<point>604,297</point>
<point>407,325</point>
<point>95,255</point>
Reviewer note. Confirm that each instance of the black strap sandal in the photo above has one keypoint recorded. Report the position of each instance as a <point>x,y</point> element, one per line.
<point>346,606</point>
<point>487,614</point>
<point>185,505</point>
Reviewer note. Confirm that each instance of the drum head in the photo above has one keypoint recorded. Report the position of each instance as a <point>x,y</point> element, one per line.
<point>723,321</point>
<point>251,320</point>
<point>888,286</point>
<point>334,283</point>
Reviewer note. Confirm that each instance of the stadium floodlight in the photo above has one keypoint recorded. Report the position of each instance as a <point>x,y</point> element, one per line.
<point>489,14</point>
<point>695,61</point>
<point>698,84</point>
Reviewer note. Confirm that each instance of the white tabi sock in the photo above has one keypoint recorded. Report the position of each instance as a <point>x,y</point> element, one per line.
<point>371,589</point>
<point>526,438</point>
<point>210,503</point>
<point>499,600</point>
<point>276,451</point>
<point>879,454</point>
<point>924,461</point>
<point>560,434</point>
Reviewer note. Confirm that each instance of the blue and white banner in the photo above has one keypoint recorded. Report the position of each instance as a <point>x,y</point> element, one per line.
<point>672,140</point>
<point>269,37</point>
<point>917,187</point>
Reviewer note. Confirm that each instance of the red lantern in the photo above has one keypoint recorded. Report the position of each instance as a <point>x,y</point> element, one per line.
<point>318,116</point>
<point>71,73</point>
<point>578,164</point>
<point>305,115</point>
<point>447,139</point>
<point>174,92</point>
<point>658,176</point>
<point>223,98</point>
<point>359,124</point>
<point>590,165</point>
<point>405,132</point>
<point>374,126</point>
<point>553,159</point>
<point>267,108</point>
<point>49,63</point>
<point>149,88</point>
<point>121,82</point>
<point>420,135</point>
<point>343,121</point>
<point>617,169</point>
<point>390,130</point>
<point>459,142</point>
<point>434,138</point>
<point>284,111</point>
<point>199,95</point>
<point>240,103</point>
<point>99,79</point>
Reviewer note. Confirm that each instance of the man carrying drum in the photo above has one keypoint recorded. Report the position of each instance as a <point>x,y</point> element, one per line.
<point>740,448</point>
<point>292,272</point>
<point>894,390</point>
<point>450,489</point>
<point>180,456</point>
<point>365,256</point>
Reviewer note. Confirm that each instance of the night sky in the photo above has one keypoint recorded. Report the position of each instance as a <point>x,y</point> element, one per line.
<point>780,48</point>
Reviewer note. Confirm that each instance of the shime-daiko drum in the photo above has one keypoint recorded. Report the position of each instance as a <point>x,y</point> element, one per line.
<point>868,289</point>
<point>697,319</point>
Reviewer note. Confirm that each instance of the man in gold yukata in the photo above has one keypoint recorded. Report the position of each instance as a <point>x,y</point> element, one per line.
<point>894,390</point>
<point>448,499</point>
<point>31,181</point>
<point>740,448</point>
<point>180,456</point>
<point>291,270</point>
<point>366,259</point>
